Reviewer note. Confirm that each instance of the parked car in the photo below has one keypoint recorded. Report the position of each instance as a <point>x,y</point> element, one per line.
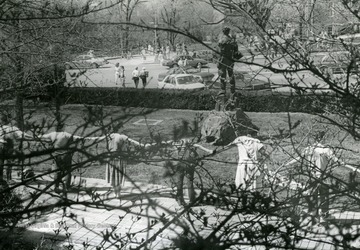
<point>86,61</point>
<point>207,55</point>
<point>181,81</point>
<point>205,76</point>
<point>190,61</point>
<point>339,63</point>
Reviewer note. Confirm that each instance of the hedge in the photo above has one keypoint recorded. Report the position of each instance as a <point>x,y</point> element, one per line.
<point>150,98</point>
<point>194,100</point>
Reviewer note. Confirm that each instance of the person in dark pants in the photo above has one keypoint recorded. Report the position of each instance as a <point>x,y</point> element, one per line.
<point>187,158</point>
<point>319,162</point>
<point>228,52</point>
<point>186,169</point>
<point>135,77</point>
<point>143,76</point>
<point>63,145</point>
<point>8,136</point>
<point>119,145</point>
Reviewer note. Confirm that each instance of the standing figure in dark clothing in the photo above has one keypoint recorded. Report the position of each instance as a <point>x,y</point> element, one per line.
<point>187,158</point>
<point>64,146</point>
<point>228,54</point>
<point>9,136</point>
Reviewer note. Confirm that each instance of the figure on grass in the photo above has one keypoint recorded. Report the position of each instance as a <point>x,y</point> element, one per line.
<point>9,135</point>
<point>183,159</point>
<point>317,162</point>
<point>119,145</point>
<point>250,168</point>
<point>63,145</point>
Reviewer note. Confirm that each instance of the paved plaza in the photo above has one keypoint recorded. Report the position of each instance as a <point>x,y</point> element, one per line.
<point>145,210</point>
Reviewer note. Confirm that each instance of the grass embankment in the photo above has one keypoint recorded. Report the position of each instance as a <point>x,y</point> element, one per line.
<point>222,166</point>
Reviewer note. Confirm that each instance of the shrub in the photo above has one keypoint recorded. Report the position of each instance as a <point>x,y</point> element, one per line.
<point>194,100</point>
<point>10,202</point>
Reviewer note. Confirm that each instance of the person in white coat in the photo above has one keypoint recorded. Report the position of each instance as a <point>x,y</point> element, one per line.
<point>251,152</point>
<point>319,162</point>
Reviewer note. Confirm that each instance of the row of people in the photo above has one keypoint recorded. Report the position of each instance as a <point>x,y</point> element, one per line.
<point>63,145</point>
<point>143,74</point>
<point>184,158</point>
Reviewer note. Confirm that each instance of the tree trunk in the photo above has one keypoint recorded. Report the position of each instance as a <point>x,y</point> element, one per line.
<point>19,109</point>
<point>126,36</point>
<point>57,93</point>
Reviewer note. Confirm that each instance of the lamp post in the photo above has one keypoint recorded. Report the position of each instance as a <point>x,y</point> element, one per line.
<point>156,34</point>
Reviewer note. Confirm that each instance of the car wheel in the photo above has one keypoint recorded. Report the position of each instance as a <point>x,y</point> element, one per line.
<point>326,71</point>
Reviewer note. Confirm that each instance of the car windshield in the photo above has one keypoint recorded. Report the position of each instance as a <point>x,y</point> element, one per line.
<point>186,79</point>
<point>191,70</point>
<point>337,58</point>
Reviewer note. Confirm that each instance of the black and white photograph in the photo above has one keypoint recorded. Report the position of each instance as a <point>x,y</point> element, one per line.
<point>179,124</point>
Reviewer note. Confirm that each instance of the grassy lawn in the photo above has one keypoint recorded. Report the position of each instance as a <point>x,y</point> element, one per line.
<point>222,166</point>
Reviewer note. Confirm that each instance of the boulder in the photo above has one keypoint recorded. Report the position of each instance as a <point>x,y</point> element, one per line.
<point>222,127</point>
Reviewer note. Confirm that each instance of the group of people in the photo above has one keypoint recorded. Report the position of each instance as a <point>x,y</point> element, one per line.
<point>182,157</point>
<point>137,75</point>
<point>143,74</point>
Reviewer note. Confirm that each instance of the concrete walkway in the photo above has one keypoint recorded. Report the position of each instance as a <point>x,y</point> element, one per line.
<point>145,210</point>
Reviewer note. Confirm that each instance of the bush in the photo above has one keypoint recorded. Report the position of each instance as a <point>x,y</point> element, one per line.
<point>10,202</point>
<point>194,100</point>
<point>151,98</point>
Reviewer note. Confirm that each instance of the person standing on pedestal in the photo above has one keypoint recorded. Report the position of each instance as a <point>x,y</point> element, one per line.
<point>228,54</point>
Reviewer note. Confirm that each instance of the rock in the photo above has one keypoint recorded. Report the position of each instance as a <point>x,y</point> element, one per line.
<point>222,127</point>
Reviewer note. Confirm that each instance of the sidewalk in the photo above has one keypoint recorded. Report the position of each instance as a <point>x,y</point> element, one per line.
<point>132,214</point>
<point>142,211</point>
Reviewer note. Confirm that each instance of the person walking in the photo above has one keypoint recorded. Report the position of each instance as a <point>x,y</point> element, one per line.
<point>143,76</point>
<point>122,76</point>
<point>135,77</point>
<point>117,73</point>
<point>9,135</point>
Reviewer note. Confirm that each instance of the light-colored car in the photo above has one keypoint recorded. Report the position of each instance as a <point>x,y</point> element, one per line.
<point>86,62</point>
<point>181,81</point>
<point>339,63</point>
<point>190,61</point>
<point>205,76</point>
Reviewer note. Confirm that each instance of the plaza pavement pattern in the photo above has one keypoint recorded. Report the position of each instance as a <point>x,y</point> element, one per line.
<point>141,213</point>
